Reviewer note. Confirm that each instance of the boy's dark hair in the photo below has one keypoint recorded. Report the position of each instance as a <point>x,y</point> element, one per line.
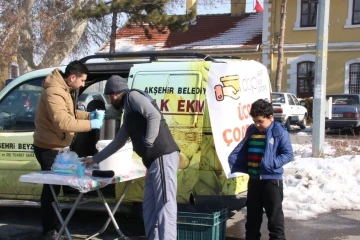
<point>77,68</point>
<point>261,108</point>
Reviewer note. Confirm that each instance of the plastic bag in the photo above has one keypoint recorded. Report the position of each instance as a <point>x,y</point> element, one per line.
<point>89,183</point>
<point>83,184</point>
<point>65,162</point>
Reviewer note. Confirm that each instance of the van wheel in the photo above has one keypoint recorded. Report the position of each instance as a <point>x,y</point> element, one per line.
<point>287,124</point>
<point>302,124</point>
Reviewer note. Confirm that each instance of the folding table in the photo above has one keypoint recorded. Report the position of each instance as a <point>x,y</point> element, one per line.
<point>84,184</point>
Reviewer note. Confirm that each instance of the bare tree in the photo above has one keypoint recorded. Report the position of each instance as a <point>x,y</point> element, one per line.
<point>280,60</point>
<point>42,33</point>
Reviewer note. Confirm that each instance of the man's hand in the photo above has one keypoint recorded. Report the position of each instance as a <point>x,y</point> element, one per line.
<point>96,115</point>
<point>96,123</point>
<point>88,161</point>
<point>148,150</point>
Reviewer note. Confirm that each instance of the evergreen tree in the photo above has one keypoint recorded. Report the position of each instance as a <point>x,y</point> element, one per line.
<point>147,14</point>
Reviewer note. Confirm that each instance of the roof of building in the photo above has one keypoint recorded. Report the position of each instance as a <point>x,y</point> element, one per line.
<point>206,32</point>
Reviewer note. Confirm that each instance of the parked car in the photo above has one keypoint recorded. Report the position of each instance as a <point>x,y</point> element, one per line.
<point>86,97</point>
<point>288,110</point>
<point>345,112</point>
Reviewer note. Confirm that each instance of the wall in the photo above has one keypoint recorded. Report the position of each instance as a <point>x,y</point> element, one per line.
<point>337,70</point>
<point>338,28</point>
<point>344,45</point>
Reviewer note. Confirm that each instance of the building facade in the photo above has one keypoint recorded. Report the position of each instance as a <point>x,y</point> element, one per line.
<point>343,71</point>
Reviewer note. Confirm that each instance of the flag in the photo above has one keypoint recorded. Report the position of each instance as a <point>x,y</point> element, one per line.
<point>258,8</point>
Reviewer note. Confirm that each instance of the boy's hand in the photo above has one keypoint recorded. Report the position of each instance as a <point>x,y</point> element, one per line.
<point>88,161</point>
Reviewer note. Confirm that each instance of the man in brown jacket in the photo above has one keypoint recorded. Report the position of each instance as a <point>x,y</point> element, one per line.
<point>56,122</point>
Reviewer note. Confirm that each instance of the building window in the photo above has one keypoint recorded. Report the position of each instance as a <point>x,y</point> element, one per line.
<point>356,12</point>
<point>354,78</point>
<point>353,18</point>
<point>292,71</point>
<point>308,13</point>
<point>305,79</point>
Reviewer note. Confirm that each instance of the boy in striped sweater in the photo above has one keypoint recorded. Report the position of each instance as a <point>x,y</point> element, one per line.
<point>262,154</point>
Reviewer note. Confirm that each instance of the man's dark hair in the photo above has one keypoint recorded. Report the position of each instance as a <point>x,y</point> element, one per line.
<point>77,68</point>
<point>261,108</point>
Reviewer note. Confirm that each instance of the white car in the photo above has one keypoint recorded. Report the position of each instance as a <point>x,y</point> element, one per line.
<point>288,110</point>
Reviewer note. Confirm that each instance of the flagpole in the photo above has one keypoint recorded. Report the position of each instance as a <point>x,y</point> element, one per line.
<point>254,6</point>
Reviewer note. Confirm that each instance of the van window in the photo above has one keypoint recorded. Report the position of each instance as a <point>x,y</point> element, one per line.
<point>93,92</point>
<point>17,108</point>
<point>96,87</point>
<point>177,95</point>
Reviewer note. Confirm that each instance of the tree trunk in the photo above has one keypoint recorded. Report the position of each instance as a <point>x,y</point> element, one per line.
<point>60,49</point>
<point>280,61</point>
<point>26,36</point>
<point>113,32</point>
<point>56,51</point>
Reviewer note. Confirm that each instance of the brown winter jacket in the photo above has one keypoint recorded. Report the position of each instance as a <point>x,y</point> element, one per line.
<point>56,121</point>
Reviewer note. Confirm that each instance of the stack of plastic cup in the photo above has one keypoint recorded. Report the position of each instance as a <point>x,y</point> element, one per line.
<point>81,169</point>
<point>100,114</point>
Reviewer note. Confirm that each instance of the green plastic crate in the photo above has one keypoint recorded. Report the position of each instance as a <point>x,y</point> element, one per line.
<point>202,226</point>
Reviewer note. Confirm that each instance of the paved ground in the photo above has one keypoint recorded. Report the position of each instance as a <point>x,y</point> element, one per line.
<point>331,226</point>
<point>24,223</point>
<point>18,223</point>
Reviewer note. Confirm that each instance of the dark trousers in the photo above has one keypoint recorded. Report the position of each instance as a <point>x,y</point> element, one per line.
<point>268,195</point>
<point>49,220</point>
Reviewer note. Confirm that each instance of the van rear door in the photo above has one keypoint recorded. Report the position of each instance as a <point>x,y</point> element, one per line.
<point>180,96</point>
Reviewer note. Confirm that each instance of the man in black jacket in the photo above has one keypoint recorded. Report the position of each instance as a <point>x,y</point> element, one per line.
<point>153,142</point>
